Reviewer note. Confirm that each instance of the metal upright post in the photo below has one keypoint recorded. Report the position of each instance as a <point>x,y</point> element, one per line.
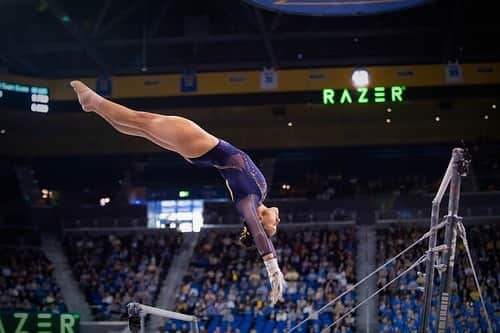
<point>452,172</point>
<point>429,271</point>
<point>194,327</point>
<point>450,241</point>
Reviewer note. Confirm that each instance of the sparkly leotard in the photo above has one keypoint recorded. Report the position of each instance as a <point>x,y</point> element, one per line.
<point>246,185</point>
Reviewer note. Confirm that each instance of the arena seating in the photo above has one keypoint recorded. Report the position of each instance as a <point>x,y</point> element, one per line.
<point>475,204</point>
<point>227,287</point>
<point>26,282</point>
<point>486,166</point>
<point>19,236</point>
<point>114,270</point>
<point>401,304</point>
<point>291,211</point>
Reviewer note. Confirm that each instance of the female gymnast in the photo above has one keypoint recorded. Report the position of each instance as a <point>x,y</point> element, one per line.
<point>244,180</point>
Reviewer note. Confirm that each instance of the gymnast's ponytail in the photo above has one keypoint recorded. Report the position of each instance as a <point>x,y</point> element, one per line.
<point>245,237</point>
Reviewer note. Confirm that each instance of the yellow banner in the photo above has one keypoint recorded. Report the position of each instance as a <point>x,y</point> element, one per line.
<point>290,80</point>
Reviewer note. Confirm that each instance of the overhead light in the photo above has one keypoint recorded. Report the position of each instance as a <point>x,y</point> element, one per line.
<point>184,194</point>
<point>290,124</point>
<point>360,78</point>
<point>493,106</point>
<point>389,110</point>
<point>104,201</point>
<point>388,120</point>
<point>3,131</point>
<point>437,118</point>
<point>486,117</point>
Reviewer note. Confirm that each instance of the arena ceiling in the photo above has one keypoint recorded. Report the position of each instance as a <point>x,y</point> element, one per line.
<point>66,38</point>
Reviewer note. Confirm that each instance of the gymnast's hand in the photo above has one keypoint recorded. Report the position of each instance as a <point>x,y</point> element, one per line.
<point>278,283</point>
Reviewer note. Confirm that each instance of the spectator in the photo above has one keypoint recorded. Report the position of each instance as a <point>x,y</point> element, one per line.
<point>113,271</point>
<point>26,282</point>
<point>400,306</point>
<point>317,265</point>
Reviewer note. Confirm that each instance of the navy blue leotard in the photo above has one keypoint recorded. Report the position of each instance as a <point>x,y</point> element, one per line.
<point>246,185</point>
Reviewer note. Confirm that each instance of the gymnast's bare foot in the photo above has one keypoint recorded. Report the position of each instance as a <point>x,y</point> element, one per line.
<point>89,100</point>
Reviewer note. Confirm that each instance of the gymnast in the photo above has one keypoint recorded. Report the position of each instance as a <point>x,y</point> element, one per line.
<point>245,182</point>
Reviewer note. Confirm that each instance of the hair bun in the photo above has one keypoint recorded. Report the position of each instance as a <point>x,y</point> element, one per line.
<point>245,238</point>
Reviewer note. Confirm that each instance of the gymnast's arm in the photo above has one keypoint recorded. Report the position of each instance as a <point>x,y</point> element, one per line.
<point>248,209</point>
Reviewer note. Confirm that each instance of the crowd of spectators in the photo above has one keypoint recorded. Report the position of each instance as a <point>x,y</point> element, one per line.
<point>291,211</point>
<point>400,306</point>
<point>115,270</point>
<point>382,171</point>
<point>227,286</point>
<point>488,174</point>
<point>330,186</point>
<point>26,282</point>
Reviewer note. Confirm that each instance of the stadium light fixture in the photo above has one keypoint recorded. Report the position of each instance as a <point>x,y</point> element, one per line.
<point>360,78</point>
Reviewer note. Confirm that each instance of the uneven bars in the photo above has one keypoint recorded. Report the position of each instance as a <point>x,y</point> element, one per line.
<point>135,310</point>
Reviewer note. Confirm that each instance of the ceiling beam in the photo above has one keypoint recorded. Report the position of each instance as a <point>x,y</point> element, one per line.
<point>47,48</point>
<point>276,22</point>
<point>65,19</point>
<point>246,11</point>
<point>100,17</point>
<point>11,36</point>
<point>253,65</point>
<point>265,35</point>
<point>153,31</point>
<point>131,9</point>
<point>451,21</point>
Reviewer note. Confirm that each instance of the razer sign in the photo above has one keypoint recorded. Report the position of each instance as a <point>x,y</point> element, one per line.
<point>33,322</point>
<point>393,94</point>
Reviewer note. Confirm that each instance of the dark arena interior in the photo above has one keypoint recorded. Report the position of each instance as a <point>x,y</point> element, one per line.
<point>373,126</point>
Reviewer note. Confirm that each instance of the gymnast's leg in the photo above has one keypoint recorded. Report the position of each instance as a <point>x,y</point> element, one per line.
<point>137,132</point>
<point>170,132</point>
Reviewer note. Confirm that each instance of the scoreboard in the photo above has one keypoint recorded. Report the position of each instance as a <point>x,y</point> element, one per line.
<point>24,97</point>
